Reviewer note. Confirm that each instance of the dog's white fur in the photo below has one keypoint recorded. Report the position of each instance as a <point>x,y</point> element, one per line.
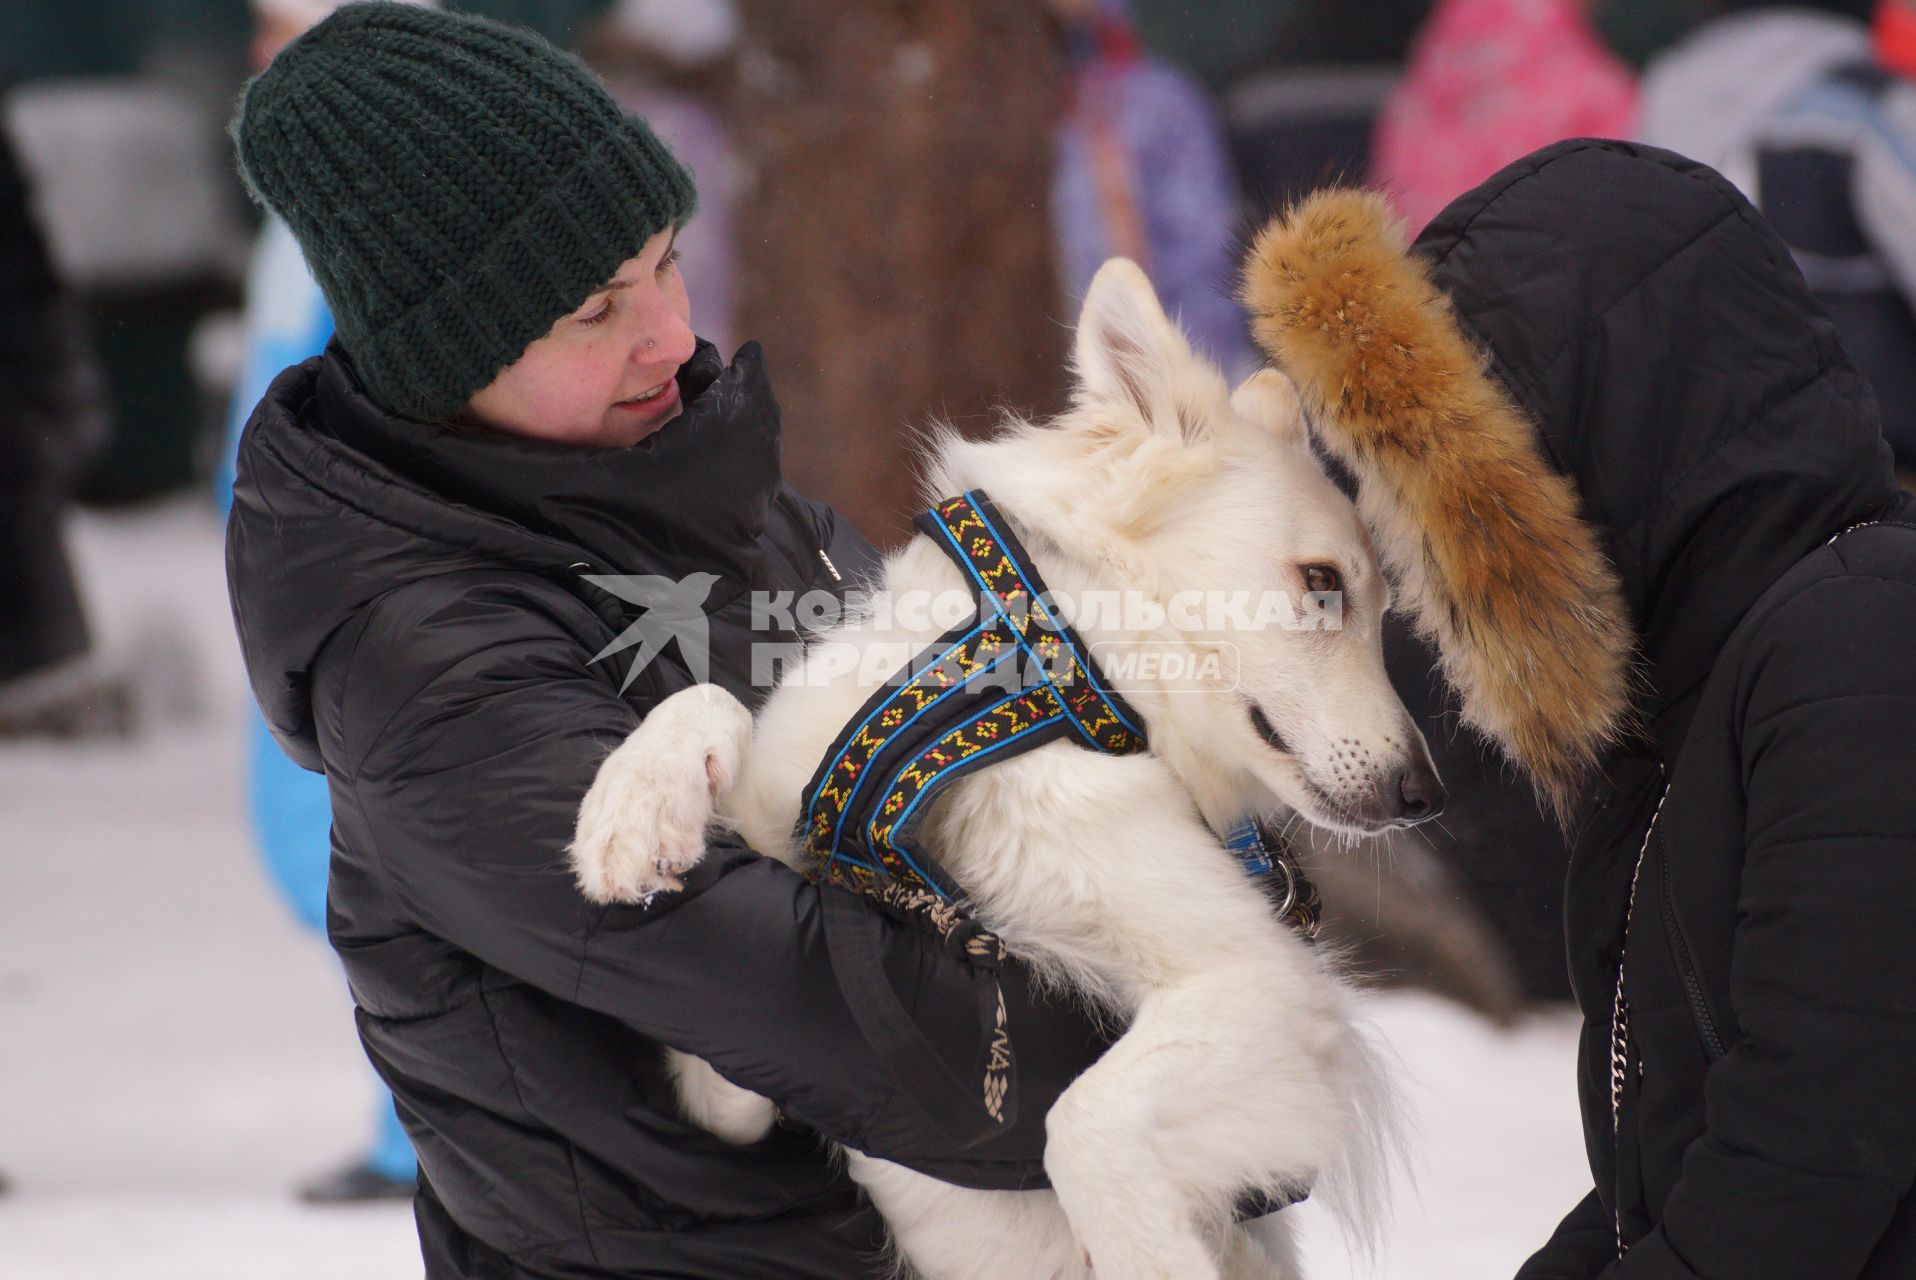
<point>1243,1066</point>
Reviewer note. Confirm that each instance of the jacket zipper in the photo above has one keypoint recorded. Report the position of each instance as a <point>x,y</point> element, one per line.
<point>1623,1055</point>
<point>1692,985</point>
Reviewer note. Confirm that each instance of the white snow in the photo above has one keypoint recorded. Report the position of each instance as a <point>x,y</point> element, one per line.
<point>175,1053</point>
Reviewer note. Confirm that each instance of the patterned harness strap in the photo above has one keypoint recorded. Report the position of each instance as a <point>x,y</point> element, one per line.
<point>1013,678</point>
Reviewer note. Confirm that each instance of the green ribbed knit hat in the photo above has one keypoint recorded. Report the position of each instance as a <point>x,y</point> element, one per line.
<point>457,185</point>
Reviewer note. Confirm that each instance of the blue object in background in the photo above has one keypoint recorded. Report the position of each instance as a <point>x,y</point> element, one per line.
<point>287,322</point>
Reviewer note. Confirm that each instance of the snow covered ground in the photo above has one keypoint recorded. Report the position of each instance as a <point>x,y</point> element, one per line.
<point>175,1054</point>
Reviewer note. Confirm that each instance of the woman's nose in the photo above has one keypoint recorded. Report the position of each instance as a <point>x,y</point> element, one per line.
<point>666,335</point>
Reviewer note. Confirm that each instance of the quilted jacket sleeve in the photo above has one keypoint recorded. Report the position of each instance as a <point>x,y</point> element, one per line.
<point>1811,1139</point>
<point>472,729</point>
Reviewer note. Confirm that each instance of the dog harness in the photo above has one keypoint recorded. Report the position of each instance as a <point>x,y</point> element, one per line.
<point>1013,678</point>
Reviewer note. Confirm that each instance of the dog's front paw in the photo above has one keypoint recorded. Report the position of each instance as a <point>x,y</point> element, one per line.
<point>642,823</point>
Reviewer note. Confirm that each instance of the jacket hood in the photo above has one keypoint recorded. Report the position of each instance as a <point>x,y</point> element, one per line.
<point>337,502</point>
<point>1681,374</point>
<point>1623,317</point>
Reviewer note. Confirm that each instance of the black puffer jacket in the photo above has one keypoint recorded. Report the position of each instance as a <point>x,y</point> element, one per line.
<point>413,620</point>
<point>1655,327</point>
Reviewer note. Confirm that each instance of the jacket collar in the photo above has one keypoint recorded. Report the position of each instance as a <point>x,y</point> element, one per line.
<point>692,497</point>
<point>336,502</point>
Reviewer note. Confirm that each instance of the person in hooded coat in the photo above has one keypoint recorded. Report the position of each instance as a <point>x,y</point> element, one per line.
<point>1743,861</point>
<point>439,532</point>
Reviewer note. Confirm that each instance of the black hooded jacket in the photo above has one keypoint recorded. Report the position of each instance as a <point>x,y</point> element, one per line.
<point>414,618</point>
<point>1765,1125</point>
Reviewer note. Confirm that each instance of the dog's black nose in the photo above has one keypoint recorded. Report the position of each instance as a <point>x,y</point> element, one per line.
<point>1420,793</point>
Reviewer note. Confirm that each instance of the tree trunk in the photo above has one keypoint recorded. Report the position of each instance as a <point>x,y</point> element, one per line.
<point>894,230</point>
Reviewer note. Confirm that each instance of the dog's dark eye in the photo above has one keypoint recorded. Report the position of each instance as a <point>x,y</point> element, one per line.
<point>1321,577</point>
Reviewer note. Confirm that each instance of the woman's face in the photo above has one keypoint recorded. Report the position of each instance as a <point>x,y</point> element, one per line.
<point>604,375</point>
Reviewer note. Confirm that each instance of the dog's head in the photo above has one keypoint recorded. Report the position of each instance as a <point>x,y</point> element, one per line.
<point>1224,583</point>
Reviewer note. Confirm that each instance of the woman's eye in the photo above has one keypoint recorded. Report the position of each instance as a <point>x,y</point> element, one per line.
<point>599,316</point>
<point>1321,577</point>
<point>669,261</point>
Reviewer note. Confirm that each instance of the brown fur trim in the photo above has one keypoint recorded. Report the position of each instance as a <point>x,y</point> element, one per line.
<point>1482,537</point>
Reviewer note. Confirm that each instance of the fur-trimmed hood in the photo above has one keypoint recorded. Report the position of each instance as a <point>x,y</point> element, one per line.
<point>1600,313</point>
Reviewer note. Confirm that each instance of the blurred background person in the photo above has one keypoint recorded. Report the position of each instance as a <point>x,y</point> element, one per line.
<point>1708,95</point>
<point>1815,120</point>
<point>1298,83</point>
<point>895,250</point>
<point>116,111</point>
<point>1142,173</point>
<point>52,425</point>
<point>1490,81</point>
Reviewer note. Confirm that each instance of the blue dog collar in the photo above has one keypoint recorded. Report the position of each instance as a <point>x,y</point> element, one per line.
<point>1247,843</point>
<point>1268,860</point>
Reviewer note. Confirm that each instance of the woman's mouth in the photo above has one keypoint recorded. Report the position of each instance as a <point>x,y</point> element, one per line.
<point>652,403</point>
<point>651,395</point>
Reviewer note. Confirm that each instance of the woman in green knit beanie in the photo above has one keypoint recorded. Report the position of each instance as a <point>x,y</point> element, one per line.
<point>458,187</point>
<point>513,505</point>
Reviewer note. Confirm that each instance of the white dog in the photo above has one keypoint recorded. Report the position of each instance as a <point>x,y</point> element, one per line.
<point>1241,1067</point>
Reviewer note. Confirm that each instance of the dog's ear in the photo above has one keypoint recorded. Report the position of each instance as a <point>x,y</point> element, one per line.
<point>1268,400</point>
<point>1128,351</point>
